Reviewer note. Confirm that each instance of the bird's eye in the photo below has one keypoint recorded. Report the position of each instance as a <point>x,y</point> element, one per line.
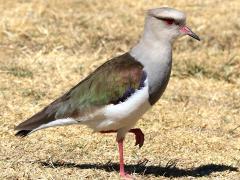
<point>168,21</point>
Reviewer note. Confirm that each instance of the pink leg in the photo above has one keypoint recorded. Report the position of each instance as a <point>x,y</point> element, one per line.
<point>122,171</point>
<point>139,136</point>
<point>120,150</point>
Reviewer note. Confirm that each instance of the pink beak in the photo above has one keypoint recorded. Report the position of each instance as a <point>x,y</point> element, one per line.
<point>188,31</point>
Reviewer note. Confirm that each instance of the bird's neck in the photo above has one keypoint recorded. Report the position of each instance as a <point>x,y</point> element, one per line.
<point>156,57</point>
<point>152,52</point>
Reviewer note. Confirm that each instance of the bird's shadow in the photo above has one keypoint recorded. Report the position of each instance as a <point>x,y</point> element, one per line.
<point>169,170</point>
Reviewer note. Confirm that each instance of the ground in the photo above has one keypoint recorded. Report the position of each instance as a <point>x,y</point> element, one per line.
<point>46,47</point>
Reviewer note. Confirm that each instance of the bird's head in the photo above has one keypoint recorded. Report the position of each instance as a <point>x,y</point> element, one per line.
<point>166,24</point>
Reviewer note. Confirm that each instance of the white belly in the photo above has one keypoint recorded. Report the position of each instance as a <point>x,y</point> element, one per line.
<point>123,115</point>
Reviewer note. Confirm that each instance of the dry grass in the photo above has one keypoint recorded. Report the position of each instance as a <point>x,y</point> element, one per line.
<point>46,47</point>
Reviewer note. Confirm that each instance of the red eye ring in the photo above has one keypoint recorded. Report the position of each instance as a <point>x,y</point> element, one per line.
<point>169,21</point>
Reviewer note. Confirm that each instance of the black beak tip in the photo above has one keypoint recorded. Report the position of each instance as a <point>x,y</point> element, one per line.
<point>198,38</point>
<point>195,36</point>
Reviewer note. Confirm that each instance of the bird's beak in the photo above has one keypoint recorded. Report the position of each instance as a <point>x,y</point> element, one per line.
<point>188,31</point>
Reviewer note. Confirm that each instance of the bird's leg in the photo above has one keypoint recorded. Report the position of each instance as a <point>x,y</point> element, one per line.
<point>121,161</point>
<point>139,136</point>
<point>120,150</point>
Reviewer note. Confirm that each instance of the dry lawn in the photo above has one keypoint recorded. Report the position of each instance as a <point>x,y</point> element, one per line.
<point>46,47</point>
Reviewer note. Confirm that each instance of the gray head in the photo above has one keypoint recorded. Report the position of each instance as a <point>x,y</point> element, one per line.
<point>166,24</point>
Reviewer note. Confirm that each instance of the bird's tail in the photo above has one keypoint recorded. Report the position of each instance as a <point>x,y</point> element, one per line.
<point>46,118</point>
<point>35,122</point>
<point>23,133</point>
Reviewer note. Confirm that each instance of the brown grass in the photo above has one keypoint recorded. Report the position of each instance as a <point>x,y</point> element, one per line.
<point>46,47</point>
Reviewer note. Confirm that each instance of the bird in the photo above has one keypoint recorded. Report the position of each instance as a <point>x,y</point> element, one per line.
<point>116,94</point>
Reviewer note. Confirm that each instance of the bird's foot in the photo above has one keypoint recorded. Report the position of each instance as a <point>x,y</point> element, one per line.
<point>126,176</point>
<point>139,136</point>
